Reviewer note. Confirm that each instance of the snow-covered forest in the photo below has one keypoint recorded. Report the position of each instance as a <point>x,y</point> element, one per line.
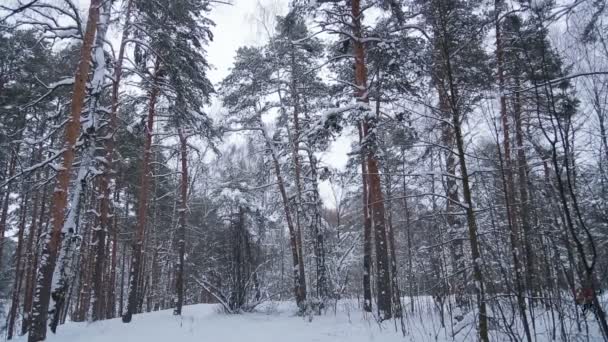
<point>416,170</point>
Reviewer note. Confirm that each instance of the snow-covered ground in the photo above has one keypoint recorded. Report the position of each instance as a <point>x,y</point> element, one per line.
<point>274,322</point>
<point>204,323</point>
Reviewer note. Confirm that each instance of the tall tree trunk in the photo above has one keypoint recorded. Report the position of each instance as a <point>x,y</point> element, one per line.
<point>16,292</point>
<point>296,248</point>
<point>181,233</point>
<point>367,233</point>
<point>65,269</point>
<point>524,198</point>
<point>472,225</point>
<point>136,257</point>
<point>4,214</point>
<point>30,253</point>
<point>508,180</point>
<point>455,225</point>
<point>448,86</point>
<point>297,166</point>
<point>408,228</point>
<point>60,195</point>
<point>111,309</point>
<point>376,201</point>
<point>319,232</point>
<point>104,207</point>
<point>397,309</point>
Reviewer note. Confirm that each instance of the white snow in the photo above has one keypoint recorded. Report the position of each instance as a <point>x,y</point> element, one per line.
<point>204,323</point>
<point>276,321</point>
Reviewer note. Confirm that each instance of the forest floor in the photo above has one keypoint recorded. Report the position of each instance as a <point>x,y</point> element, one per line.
<point>278,322</point>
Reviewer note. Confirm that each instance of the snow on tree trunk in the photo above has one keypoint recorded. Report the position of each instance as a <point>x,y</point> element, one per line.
<point>296,249</point>
<point>138,242</point>
<point>60,195</point>
<point>367,233</point>
<point>99,232</point>
<point>376,201</point>
<point>6,199</point>
<point>18,268</point>
<point>181,233</point>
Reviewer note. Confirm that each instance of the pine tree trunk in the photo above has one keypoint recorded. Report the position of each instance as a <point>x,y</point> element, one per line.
<point>471,220</point>
<point>376,201</point>
<point>5,200</point>
<point>30,254</point>
<point>396,293</point>
<point>408,227</point>
<point>16,291</point>
<point>454,223</point>
<point>297,166</point>
<point>181,233</point>
<point>472,225</point>
<point>296,248</point>
<point>508,180</point>
<point>367,234</point>
<point>319,233</point>
<point>447,87</point>
<point>111,312</point>
<point>136,257</point>
<point>522,169</point>
<point>104,207</point>
<point>49,255</point>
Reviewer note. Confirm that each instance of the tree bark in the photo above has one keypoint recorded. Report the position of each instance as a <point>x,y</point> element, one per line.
<point>49,255</point>
<point>16,292</point>
<point>376,201</point>
<point>111,309</point>
<point>524,198</point>
<point>408,227</point>
<point>30,256</point>
<point>508,180</point>
<point>297,166</point>
<point>367,234</point>
<point>181,233</point>
<point>448,86</point>
<point>136,257</point>
<point>104,184</point>
<point>318,231</point>
<point>296,248</point>
<point>5,200</point>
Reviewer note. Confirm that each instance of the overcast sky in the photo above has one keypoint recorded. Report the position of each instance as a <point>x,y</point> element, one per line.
<point>238,25</point>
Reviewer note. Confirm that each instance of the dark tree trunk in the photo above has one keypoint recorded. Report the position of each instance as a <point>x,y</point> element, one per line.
<point>508,180</point>
<point>30,253</point>
<point>299,214</point>
<point>319,233</point>
<point>104,206</point>
<point>111,312</point>
<point>181,233</point>
<point>136,257</point>
<point>16,292</point>
<point>367,235</point>
<point>524,198</point>
<point>296,248</point>
<point>5,200</point>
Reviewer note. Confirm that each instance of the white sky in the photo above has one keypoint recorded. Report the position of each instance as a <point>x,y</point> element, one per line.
<point>237,25</point>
